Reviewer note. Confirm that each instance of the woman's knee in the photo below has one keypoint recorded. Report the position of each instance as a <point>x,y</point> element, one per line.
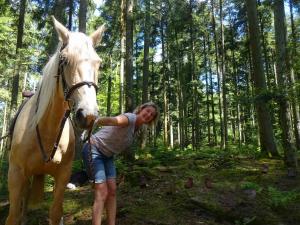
<point>101,191</point>
<point>111,188</point>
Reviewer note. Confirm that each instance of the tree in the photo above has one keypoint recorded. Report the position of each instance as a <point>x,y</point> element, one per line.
<point>129,104</point>
<point>123,53</point>
<point>223,81</point>
<point>146,52</point>
<point>71,11</point>
<point>282,62</point>
<point>293,78</point>
<point>15,84</point>
<point>82,15</point>
<point>59,14</point>
<point>264,122</point>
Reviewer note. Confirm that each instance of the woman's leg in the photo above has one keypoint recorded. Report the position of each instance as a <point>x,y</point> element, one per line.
<point>111,202</point>
<point>100,191</point>
<point>96,172</point>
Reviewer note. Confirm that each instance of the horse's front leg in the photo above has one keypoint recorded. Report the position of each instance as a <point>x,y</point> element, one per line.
<point>61,180</point>
<point>26,194</point>
<point>16,187</point>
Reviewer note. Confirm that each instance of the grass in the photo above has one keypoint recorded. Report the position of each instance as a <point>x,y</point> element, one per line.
<point>239,192</point>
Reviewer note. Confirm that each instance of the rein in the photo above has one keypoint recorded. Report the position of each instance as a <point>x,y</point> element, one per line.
<point>68,91</point>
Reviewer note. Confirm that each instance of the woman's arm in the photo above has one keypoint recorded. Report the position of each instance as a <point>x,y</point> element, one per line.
<point>120,120</point>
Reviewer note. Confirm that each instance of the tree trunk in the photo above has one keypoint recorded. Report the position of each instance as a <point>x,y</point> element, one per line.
<point>59,14</point>
<point>264,122</point>
<point>282,72</point>
<point>123,54</point>
<point>108,104</point>
<point>212,103</point>
<point>192,76</point>
<point>224,88</point>
<point>207,90</point>
<point>82,15</point>
<point>71,11</point>
<point>264,47</point>
<point>16,78</point>
<point>164,81</point>
<point>293,79</point>
<point>217,69</point>
<point>147,28</point>
<point>129,104</point>
<point>180,95</point>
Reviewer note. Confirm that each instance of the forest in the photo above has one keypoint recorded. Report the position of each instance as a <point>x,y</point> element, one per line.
<point>226,77</point>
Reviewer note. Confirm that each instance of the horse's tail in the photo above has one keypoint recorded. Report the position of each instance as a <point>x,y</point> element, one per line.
<point>37,190</point>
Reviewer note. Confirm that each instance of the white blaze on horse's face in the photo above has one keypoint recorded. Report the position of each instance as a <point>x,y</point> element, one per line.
<point>82,64</point>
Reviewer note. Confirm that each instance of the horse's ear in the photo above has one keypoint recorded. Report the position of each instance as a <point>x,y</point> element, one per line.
<point>97,35</point>
<point>62,31</point>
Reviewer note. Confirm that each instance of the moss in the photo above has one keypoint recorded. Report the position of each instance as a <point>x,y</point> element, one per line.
<point>239,193</point>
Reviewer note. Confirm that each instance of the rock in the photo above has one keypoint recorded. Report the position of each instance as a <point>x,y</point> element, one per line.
<point>250,193</point>
<point>189,183</point>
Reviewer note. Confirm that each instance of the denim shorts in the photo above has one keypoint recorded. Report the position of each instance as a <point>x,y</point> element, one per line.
<point>103,167</point>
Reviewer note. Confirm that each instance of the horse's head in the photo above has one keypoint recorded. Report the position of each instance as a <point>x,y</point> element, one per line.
<point>79,64</point>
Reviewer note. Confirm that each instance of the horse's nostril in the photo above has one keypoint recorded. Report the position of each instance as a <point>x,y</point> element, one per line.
<point>84,119</point>
<point>79,114</point>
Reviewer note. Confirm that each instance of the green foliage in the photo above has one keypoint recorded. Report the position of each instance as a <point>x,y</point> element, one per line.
<point>3,178</point>
<point>281,199</point>
<point>251,185</point>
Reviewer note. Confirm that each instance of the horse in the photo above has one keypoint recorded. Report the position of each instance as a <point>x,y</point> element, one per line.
<point>69,82</point>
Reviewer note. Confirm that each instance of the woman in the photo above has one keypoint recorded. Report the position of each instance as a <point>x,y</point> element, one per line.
<point>116,136</point>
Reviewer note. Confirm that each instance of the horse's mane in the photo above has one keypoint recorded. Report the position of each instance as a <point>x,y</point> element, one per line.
<point>47,86</point>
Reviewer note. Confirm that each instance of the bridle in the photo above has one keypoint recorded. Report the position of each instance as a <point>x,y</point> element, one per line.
<point>68,91</point>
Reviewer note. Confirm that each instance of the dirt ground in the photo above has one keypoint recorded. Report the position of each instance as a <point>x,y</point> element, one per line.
<point>191,191</point>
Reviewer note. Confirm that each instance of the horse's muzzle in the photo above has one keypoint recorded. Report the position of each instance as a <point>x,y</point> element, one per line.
<point>84,119</point>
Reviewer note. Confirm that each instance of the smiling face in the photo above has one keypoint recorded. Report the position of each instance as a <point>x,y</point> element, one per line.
<point>147,114</point>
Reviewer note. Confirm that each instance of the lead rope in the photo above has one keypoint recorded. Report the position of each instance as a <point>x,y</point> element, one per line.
<point>90,158</point>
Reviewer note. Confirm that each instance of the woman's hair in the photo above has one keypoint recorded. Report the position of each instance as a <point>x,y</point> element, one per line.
<point>138,109</point>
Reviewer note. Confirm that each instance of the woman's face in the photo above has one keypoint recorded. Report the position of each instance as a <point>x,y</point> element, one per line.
<point>147,114</point>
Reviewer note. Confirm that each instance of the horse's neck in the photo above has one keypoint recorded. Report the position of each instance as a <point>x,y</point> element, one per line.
<point>50,97</point>
<point>52,117</point>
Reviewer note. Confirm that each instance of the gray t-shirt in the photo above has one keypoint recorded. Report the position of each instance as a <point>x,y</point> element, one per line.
<point>111,140</point>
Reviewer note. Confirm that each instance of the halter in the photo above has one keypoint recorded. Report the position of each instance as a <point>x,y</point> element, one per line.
<point>68,91</point>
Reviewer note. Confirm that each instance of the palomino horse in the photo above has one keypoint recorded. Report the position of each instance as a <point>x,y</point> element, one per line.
<point>69,80</point>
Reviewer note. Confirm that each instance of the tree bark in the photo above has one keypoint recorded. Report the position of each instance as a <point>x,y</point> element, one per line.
<point>71,11</point>
<point>294,76</point>
<point>109,84</point>
<point>123,55</point>
<point>207,91</point>
<point>264,122</point>
<point>224,142</point>
<point>217,68</point>
<point>164,80</point>
<point>146,52</point>
<point>82,15</point>
<point>59,14</point>
<point>282,72</point>
<point>16,78</point>
<point>129,104</point>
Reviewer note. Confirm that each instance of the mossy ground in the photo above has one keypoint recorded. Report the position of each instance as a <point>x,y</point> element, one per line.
<point>189,190</point>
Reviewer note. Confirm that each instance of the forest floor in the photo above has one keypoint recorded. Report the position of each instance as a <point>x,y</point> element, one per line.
<point>206,189</point>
